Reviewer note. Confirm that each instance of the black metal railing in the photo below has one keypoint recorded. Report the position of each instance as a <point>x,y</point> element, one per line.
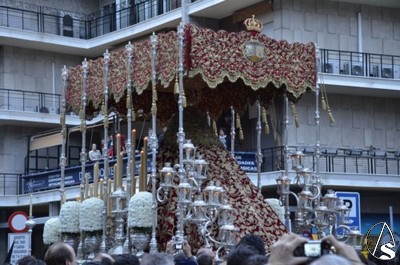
<point>338,160</point>
<point>19,100</point>
<point>360,64</point>
<point>10,183</point>
<point>65,23</point>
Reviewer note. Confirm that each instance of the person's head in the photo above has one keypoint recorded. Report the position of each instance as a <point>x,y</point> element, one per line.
<point>331,259</point>
<point>25,260</point>
<point>37,262</point>
<point>104,258</point>
<point>126,259</point>
<point>255,241</point>
<point>94,147</point>
<point>221,132</point>
<point>205,259</point>
<point>240,253</point>
<point>60,254</point>
<point>157,259</point>
<point>256,260</point>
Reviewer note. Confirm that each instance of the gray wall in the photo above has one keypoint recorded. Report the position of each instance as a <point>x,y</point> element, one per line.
<point>361,122</point>
<point>333,25</point>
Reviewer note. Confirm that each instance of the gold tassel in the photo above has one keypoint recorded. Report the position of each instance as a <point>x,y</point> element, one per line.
<point>176,87</point>
<point>266,128</point>
<point>330,115</point>
<point>215,128</point>
<point>81,114</point>
<point>296,121</point>
<point>264,115</point>
<point>293,108</point>
<point>155,98</point>
<point>133,115</point>
<point>154,108</point>
<point>294,113</point>
<point>238,124</point>
<point>103,109</point>
<point>62,119</point>
<point>241,137</point>
<point>323,102</point>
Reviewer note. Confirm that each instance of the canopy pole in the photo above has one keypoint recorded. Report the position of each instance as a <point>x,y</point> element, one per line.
<point>259,154</point>
<point>63,161</point>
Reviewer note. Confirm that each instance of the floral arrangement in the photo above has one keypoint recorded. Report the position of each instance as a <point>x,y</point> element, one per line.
<point>91,215</point>
<point>69,217</point>
<point>52,231</point>
<point>277,207</point>
<point>140,214</point>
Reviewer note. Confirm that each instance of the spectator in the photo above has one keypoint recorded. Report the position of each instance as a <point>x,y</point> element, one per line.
<point>205,259</point>
<point>157,259</point>
<point>240,253</point>
<point>25,260</point>
<point>331,260</point>
<point>255,241</point>
<point>36,262</point>
<point>60,254</point>
<point>185,258</point>
<point>94,154</point>
<point>126,259</point>
<point>256,260</point>
<point>104,259</point>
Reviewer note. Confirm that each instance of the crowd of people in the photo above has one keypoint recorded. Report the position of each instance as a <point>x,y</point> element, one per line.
<point>250,250</point>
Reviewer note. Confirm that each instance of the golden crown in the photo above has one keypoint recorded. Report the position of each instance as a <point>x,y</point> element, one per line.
<point>253,24</point>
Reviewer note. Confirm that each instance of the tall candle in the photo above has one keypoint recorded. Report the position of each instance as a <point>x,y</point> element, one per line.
<point>133,142</point>
<point>115,176</point>
<point>91,191</point>
<point>120,168</point>
<point>86,186</point>
<point>108,206</point>
<point>141,172</point>
<point>30,205</point>
<point>145,142</point>
<point>101,188</point>
<point>96,179</point>
<point>119,162</point>
<point>133,184</point>
<point>109,187</point>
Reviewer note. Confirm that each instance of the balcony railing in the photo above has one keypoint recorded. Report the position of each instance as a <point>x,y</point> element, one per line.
<point>64,23</point>
<point>19,100</point>
<point>338,160</point>
<point>360,64</point>
<point>10,183</point>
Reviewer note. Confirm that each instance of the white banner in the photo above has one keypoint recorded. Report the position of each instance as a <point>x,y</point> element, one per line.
<point>21,243</point>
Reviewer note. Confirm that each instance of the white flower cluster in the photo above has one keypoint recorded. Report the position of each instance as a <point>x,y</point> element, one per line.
<point>91,215</point>
<point>69,217</point>
<point>279,210</point>
<point>140,213</point>
<point>52,231</point>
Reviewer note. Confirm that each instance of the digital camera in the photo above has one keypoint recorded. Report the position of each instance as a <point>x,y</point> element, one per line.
<point>312,249</point>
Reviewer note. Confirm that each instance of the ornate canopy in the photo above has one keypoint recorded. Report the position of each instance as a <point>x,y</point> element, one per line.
<point>219,72</point>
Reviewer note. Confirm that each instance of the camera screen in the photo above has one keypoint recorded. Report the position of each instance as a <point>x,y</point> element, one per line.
<point>312,249</point>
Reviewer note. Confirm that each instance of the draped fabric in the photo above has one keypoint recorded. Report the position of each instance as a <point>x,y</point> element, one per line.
<point>215,57</point>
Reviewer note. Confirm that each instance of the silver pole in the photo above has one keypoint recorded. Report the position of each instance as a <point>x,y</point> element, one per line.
<point>181,135</point>
<point>317,125</point>
<point>82,115</point>
<point>128,146</point>
<point>233,132</point>
<point>64,76</point>
<point>259,154</point>
<point>154,143</point>
<point>286,151</point>
<point>103,245</point>
<point>83,126</point>
<point>391,218</point>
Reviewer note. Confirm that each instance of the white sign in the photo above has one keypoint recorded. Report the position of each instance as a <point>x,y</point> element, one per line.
<point>21,243</point>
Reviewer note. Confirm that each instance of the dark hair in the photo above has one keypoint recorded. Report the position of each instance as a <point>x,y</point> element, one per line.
<point>204,259</point>
<point>255,241</point>
<point>25,260</point>
<point>127,259</point>
<point>92,263</point>
<point>58,254</point>
<point>256,260</point>
<point>104,259</point>
<point>37,262</point>
<point>157,259</point>
<point>240,253</point>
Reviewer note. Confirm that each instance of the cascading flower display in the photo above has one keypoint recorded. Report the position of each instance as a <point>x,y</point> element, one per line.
<point>140,214</point>
<point>52,231</point>
<point>69,217</point>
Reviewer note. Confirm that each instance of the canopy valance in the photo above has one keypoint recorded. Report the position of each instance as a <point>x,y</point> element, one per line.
<point>212,60</point>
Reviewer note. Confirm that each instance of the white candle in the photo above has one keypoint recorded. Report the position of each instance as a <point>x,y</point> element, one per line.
<point>30,205</point>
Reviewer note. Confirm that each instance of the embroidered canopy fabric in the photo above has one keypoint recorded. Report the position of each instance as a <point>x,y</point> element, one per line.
<point>212,61</point>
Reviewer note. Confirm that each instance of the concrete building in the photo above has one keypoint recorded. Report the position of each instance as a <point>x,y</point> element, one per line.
<point>359,45</point>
